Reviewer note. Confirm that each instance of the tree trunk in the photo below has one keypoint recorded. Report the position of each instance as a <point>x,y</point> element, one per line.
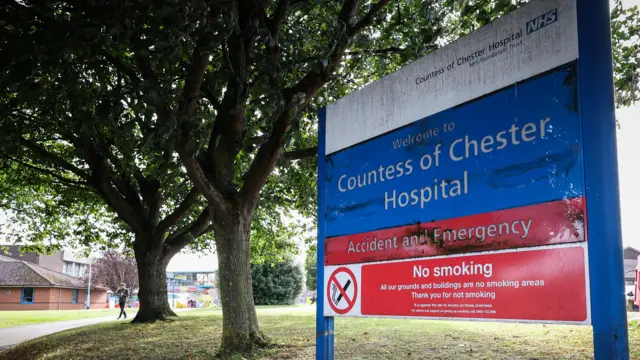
<point>152,276</point>
<point>240,332</point>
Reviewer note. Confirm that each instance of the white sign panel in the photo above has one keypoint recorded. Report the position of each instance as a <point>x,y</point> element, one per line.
<point>533,39</point>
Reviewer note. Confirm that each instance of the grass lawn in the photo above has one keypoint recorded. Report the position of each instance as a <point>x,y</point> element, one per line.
<point>196,335</point>
<point>18,318</point>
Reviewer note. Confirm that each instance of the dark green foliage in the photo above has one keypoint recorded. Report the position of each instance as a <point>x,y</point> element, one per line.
<point>276,283</point>
<point>310,267</point>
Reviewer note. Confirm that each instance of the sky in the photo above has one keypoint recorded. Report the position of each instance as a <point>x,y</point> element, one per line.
<point>193,262</point>
<point>629,172</point>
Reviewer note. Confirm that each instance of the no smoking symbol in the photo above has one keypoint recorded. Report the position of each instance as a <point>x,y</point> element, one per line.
<point>342,290</point>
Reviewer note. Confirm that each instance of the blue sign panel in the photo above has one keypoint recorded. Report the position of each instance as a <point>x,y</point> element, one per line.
<point>495,131</point>
<point>515,147</point>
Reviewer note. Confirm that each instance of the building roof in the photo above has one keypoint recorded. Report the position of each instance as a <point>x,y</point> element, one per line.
<point>15,272</point>
<point>632,248</point>
<point>7,259</point>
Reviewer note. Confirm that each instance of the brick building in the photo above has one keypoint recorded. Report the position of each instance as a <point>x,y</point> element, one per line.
<point>26,286</point>
<point>61,261</point>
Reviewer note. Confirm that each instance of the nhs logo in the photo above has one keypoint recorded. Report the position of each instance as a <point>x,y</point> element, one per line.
<point>542,21</point>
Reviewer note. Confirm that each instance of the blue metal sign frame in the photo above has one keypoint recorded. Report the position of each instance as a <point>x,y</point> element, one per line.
<point>324,325</point>
<point>597,109</point>
<point>606,273</point>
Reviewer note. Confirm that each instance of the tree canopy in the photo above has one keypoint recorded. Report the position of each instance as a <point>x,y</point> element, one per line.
<point>82,157</point>
<point>166,120</point>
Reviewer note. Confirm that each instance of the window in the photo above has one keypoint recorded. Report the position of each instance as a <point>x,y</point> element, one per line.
<point>74,268</point>
<point>630,281</point>
<point>83,270</point>
<point>27,295</point>
<point>74,296</point>
<point>67,268</point>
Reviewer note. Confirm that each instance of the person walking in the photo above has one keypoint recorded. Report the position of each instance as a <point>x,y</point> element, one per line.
<point>123,294</point>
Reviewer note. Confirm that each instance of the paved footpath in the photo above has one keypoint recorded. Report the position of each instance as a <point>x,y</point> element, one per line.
<point>15,335</point>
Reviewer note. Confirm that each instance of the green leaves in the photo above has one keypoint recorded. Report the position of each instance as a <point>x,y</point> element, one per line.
<point>277,283</point>
<point>311,267</point>
<point>625,31</point>
<point>73,88</point>
<point>106,79</point>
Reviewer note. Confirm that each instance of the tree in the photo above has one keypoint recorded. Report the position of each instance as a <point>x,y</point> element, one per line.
<point>625,31</point>
<point>259,87</point>
<point>272,240</point>
<point>117,89</point>
<point>310,267</point>
<point>80,144</point>
<point>276,283</point>
<point>112,269</point>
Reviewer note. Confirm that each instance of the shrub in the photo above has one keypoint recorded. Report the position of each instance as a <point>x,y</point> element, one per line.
<point>276,283</point>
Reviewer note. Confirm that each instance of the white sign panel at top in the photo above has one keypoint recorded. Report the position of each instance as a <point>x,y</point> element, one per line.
<point>531,40</point>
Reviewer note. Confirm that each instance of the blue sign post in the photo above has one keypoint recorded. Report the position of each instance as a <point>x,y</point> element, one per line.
<point>544,72</point>
<point>324,324</point>
<point>609,316</point>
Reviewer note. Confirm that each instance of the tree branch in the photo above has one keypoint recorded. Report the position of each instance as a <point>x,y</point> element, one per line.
<point>278,17</point>
<point>209,95</point>
<point>273,44</point>
<point>42,153</point>
<point>311,83</point>
<point>122,181</point>
<point>151,196</point>
<point>181,238</point>
<point>368,18</point>
<point>383,51</point>
<point>103,183</point>
<point>121,67</point>
<point>225,139</point>
<point>173,218</point>
<point>191,93</point>
<point>389,50</point>
<point>70,182</point>
<point>195,228</point>
<point>298,96</point>
<point>197,175</point>
<point>301,154</point>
